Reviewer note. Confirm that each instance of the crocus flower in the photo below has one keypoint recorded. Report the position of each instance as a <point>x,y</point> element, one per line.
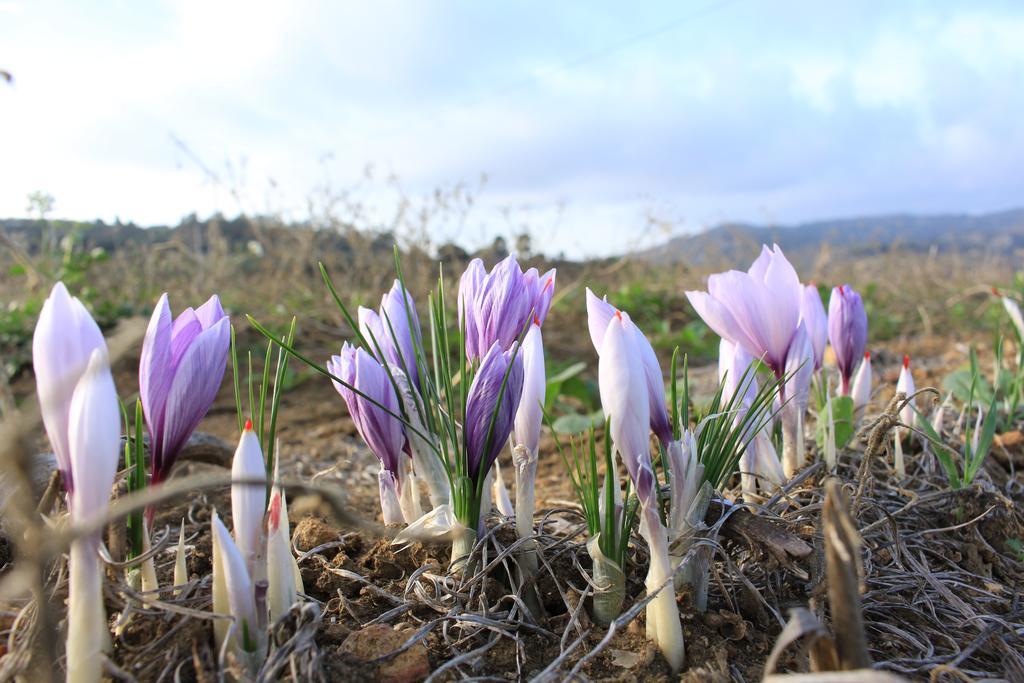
<point>847,331</point>
<point>93,437</point>
<point>248,501</point>
<point>233,588</point>
<point>758,310</point>
<point>599,315</point>
<point>861,392</point>
<point>390,329</point>
<point>283,577</point>
<point>624,393</point>
<point>905,384</point>
<point>495,307</point>
<point>380,429</point>
<point>180,373</point>
<point>623,385</point>
<point>64,340</point>
<point>1012,310</point>
<point>491,404</point>
<point>526,431</point>
<point>812,313</point>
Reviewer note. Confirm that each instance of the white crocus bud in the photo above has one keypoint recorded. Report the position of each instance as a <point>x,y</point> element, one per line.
<point>248,501</point>
<point>233,589</point>
<point>1013,310</point>
<point>499,492</point>
<point>905,384</point>
<point>861,393</point>
<point>526,435</point>
<point>180,568</point>
<point>282,570</point>
<point>93,438</point>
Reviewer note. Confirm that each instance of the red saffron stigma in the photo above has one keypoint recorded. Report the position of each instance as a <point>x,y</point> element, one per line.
<point>550,282</point>
<point>841,289</point>
<point>995,290</point>
<point>536,321</point>
<point>618,314</point>
<point>275,512</point>
<point>906,360</point>
<point>867,355</point>
<point>248,425</point>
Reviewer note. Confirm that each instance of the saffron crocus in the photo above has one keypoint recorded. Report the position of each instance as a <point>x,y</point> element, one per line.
<point>248,501</point>
<point>62,344</point>
<point>905,384</point>
<point>93,438</point>
<point>374,412</point>
<point>394,331</point>
<point>180,372</point>
<point>861,392</point>
<point>496,307</point>
<point>847,331</point>
<point>491,404</point>
<point>599,315</point>
<point>233,594</point>
<point>283,578</point>
<point>812,314</point>
<point>526,431</point>
<point>758,310</point>
<point>624,397</point>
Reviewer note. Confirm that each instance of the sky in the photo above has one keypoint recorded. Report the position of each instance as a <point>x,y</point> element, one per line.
<point>597,127</point>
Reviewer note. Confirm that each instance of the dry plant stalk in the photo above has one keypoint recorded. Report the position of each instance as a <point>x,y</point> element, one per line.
<point>844,569</point>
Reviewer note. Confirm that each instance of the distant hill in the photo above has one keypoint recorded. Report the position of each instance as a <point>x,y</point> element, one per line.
<point>1000,233</point>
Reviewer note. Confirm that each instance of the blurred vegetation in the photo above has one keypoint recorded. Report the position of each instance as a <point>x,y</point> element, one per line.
<point>265,266</point>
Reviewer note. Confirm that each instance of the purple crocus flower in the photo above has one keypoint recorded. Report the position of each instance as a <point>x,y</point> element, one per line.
<point>390,329</point>
<point>495,307</point>
<point>383,433</point>
<point>486,394</point>
<point>600,313</point>
<point>812,314</point>
<point>180,373</point>
<point>847,331</point>
<point>758,310</point>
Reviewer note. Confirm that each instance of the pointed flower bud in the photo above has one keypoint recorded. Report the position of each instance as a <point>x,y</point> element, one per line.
<point>249,500</point>
<point>64,340</point>
<point>905,383</point>
<point>495,307</point>
<point>599,315</point>
<point>758,310</point>
<point>1013,310</point>
<point>180,372</point>
<point>812,313</point>
<point>862,383</point>
<point>847,331</point>
<point>530,413</point>
<point>236,584</point>
<point>491,404</point>
<point>94,435</point>
<point>395,328</point>
<point>624,394</point>
<point>281,566</point>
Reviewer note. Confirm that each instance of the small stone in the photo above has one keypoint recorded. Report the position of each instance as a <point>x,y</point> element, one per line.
<point>377,640</point>
<point>311,532</point>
